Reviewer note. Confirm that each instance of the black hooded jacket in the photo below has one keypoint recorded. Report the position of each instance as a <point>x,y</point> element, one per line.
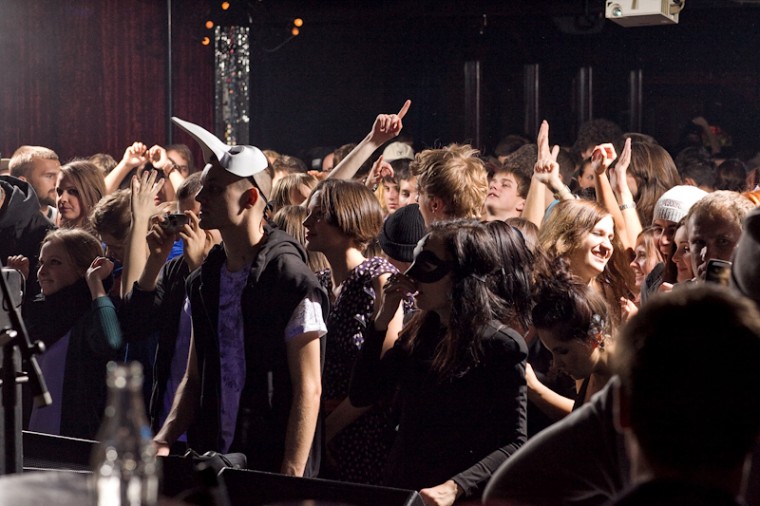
<point>22,227</point>
<point>279,280</point>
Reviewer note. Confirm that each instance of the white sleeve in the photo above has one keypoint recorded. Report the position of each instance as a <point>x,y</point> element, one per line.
<point>306,317</point>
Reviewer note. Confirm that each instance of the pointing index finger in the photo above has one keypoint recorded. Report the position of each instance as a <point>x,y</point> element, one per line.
<point>404,109</point>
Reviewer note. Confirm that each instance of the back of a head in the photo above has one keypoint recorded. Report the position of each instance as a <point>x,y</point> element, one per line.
<point>697,166</point>
<point>655,172</point>
<point>509,145</point>
<point>731,175</point>
<point>112,215</point>
<point>456,175</point>
<point>594,132</point>
<point>688,362</point>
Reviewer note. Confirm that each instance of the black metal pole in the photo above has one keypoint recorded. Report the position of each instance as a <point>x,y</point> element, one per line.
<point>169,91</point>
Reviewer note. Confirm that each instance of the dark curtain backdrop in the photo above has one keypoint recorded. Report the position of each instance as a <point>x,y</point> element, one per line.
<point>88,76</point>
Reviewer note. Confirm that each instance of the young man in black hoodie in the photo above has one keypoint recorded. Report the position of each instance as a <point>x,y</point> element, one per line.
<point>22,227</point>
<point>253,381</point>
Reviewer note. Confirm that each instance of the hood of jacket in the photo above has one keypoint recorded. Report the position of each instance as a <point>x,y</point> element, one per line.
<point>20,203</point>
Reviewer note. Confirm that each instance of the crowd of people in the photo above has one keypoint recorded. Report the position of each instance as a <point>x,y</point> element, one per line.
<point>546,325</point>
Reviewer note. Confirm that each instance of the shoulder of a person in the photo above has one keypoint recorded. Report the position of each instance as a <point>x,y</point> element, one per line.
<point>500,336</point>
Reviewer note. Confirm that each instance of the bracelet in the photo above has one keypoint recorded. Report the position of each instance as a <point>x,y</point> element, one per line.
<point>558,193</point>
<point>629,205</point>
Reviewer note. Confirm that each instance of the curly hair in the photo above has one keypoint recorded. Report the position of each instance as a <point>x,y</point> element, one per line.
<point>566,305</point>
<point>456,175</point>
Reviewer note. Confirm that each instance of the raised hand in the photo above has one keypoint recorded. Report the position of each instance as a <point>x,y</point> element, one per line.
<point>602,157</point>
<point>195,241</point>
<point>547,172</point>
<point>388,126</point>
<point>545,152</point>
<point>20,263</point>
<point>144,191</point>
<point>100,268</point>
<point>134,155</point>
<point>379,170</point>
<point>619,173</point>
<point>397,288</point>
<point>160,241</point>
<point>158,157</point>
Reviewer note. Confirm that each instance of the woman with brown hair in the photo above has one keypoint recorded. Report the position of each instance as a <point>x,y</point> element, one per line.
<point>80,186</point>
<point>344,218</point>
<point>583,233</point>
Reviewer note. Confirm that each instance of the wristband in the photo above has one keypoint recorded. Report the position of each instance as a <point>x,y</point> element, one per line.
<point>558,193</point>
<point>629,205</point>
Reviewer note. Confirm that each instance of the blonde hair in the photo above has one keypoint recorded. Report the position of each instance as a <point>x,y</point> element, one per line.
<point>281,192</point>
<point>456,175</point>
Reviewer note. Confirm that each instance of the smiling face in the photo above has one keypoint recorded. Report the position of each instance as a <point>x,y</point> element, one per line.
<point>590,258</point>
<point>711,236</point>
<point>503,200</point>
<point>69,200</point>
<point>576,357</point>
<point>57,269</point>
<point>643,263</point>
<point>682,256</point>
<point>664,234</point>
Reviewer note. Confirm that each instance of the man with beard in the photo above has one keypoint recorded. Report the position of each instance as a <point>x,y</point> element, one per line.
<point>39,166</point>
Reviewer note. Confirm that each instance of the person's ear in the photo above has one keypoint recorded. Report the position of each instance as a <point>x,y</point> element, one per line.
<point>520,205</point>
<point>621,408</point>
<point>690,182</point>
<point>436,205</point>
<point>251,197</point>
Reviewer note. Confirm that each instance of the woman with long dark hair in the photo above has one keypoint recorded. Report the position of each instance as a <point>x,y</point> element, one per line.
<point>458,367</point>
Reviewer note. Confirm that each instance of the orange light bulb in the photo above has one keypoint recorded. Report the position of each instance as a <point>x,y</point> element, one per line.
<point>298,22</point>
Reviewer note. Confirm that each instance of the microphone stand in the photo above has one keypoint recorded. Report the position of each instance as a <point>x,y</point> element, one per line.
<point>16,340</point>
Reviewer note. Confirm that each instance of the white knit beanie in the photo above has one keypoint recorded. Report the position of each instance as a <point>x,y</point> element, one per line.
<point>675,203</point>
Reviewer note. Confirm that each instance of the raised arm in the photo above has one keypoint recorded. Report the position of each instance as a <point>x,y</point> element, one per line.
<point>601,159</point>
<point>385,128</point>
<point>144,190</point>
<point>160,160</point>
<point>133,157</point>
<point>619,183</point>
<point>545,173</point>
